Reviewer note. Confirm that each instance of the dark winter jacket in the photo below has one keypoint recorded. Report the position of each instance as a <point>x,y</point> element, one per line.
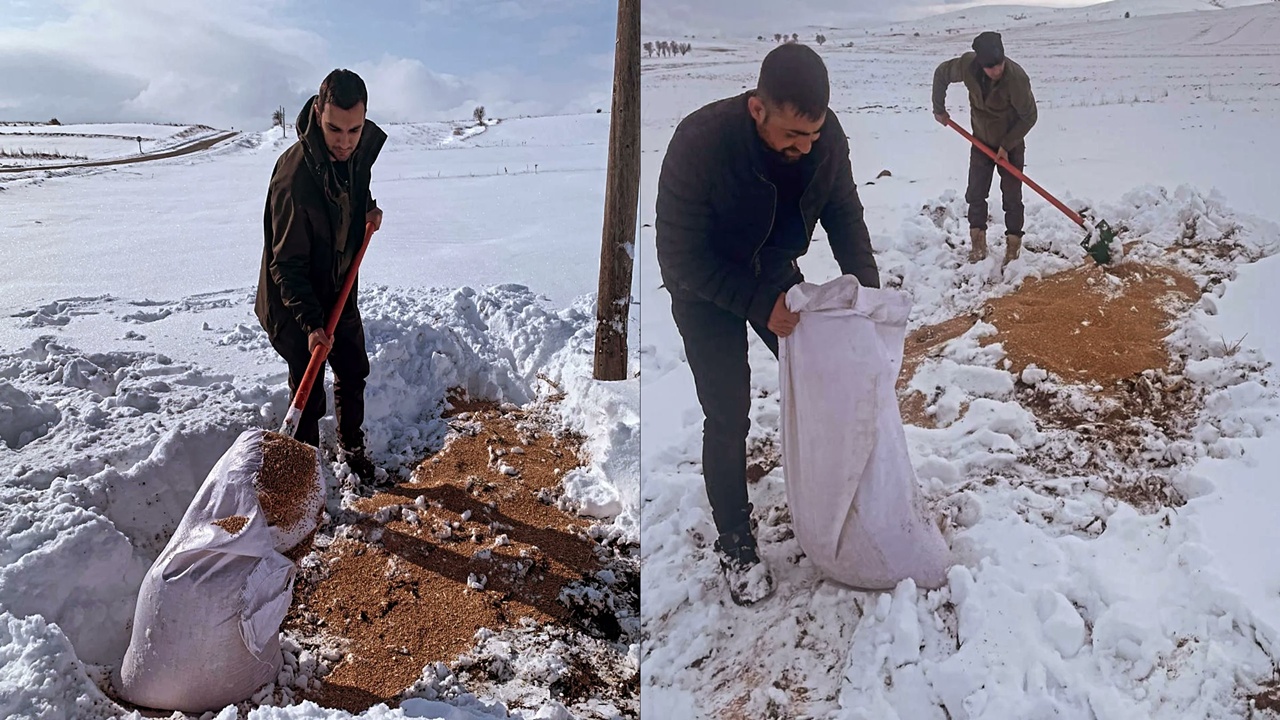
<point>1002,112</point>
<point>313,226</point>
<point>715,209</point>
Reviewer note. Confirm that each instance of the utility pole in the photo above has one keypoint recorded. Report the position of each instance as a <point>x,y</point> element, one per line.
<point>621,200</point>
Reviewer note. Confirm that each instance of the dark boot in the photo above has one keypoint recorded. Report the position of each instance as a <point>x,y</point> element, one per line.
<point>748,576</point>
<point>358,460</point>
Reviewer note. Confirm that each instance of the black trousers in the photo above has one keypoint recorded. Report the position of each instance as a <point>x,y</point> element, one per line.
<point>350,363</point>
<point>715,344</point>
<point>981,168</point>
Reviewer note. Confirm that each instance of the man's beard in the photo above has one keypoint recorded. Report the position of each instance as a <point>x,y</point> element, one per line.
<point>782,157</point>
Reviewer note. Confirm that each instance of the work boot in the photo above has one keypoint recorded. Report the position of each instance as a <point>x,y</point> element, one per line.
<point>358,460</point>
<point>978,247</point>
<point>748,576</point>
<point>1013,245</point>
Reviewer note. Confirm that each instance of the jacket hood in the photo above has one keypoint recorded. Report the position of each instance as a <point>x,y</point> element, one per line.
<point>372,138</point>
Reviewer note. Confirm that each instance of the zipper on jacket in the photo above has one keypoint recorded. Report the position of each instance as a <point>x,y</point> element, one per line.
<point>773,216</point>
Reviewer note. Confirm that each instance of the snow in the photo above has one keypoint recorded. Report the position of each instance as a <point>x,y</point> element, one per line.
<point>82,143</point>
<point>1065,601</point>
<point>132,359</point>
<point>1014,18</point>
<point>439,195</point>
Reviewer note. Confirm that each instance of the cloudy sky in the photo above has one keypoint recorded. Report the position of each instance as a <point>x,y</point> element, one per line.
<point>676,18</point>
<point>231,62</point>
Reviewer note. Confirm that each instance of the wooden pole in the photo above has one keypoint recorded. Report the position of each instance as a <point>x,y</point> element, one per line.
<point>621,200</point>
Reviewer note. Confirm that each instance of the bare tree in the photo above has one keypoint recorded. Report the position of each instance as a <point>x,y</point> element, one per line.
<point>478,114</point>
<point>820,39</point>
<point>777,37</point>
<point>795,37</point>
<point>648,47</point>
<point>685,48</point>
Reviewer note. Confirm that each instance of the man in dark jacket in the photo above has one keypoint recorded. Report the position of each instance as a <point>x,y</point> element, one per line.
<point>317,205</point>
<point>743,184</point>
<point>1003,111</point>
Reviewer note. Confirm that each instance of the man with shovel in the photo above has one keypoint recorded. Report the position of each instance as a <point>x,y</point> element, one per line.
<point>1003,111</point>
<point>743,184</point>
<point>317,205</point>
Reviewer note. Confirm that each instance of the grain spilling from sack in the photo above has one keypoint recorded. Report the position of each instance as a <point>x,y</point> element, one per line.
<point>233,524</point>
<point>286,484</point>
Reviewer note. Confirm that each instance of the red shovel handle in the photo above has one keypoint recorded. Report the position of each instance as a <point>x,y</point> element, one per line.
<point>321,353</point>
<point>1075,217</point>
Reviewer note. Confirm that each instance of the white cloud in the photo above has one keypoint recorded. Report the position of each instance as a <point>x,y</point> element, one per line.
<point>159,61</point>
<point>233,63</point>
<point>560,38</point>
<point>518,10</point>
<point>405,90</point>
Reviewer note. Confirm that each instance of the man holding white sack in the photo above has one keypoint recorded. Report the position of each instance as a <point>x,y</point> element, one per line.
<point>744,182</point>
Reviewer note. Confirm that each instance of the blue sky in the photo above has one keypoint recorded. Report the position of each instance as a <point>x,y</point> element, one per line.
<point>230,62</point>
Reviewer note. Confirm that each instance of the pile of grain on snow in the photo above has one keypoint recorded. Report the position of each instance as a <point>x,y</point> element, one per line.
<point>1093,324</point>
<point>474,540</point>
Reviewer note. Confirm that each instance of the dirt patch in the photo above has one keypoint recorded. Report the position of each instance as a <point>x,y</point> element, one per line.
<point>763,456</point>
<point>233,524</point>
<point>1119,429</point>
<point>1092,325</point>
<point>476,539</point>
<point>1267,698</point>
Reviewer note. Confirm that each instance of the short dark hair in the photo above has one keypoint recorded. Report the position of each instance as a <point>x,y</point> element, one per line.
<point>342,88</point>
<point>794,75</point>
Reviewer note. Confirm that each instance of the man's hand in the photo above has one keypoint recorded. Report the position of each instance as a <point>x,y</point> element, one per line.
<point>1003,154</point>
<point>782,321</point>
<point>942,118</point>
<point>318,337</point>
<point>374,216</point>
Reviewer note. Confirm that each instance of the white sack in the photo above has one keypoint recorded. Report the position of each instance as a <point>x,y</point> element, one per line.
<point>855,506</point>
<point>206,625</point>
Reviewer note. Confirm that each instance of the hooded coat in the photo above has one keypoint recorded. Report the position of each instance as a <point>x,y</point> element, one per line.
<point>313,225</point>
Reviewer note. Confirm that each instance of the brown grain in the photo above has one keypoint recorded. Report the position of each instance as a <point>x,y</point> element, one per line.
<point>233,524</point>
<point>1093,325</point>
<point>403,601</point>
<point>287,482</point>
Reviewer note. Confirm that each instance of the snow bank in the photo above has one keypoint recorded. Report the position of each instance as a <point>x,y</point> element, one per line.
<point>105,450</point>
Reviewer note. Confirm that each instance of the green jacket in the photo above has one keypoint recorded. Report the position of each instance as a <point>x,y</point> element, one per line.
<point>1002,111</point>
<point>313,225</point>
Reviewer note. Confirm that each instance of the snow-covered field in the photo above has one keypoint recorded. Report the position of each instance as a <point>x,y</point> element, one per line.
<point>131,359</point>
<point>31,144</point>
<point>1065,602</point>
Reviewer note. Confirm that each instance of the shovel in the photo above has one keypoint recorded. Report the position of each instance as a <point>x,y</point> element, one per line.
<point>321,353</point>
<point>1100,249</point>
